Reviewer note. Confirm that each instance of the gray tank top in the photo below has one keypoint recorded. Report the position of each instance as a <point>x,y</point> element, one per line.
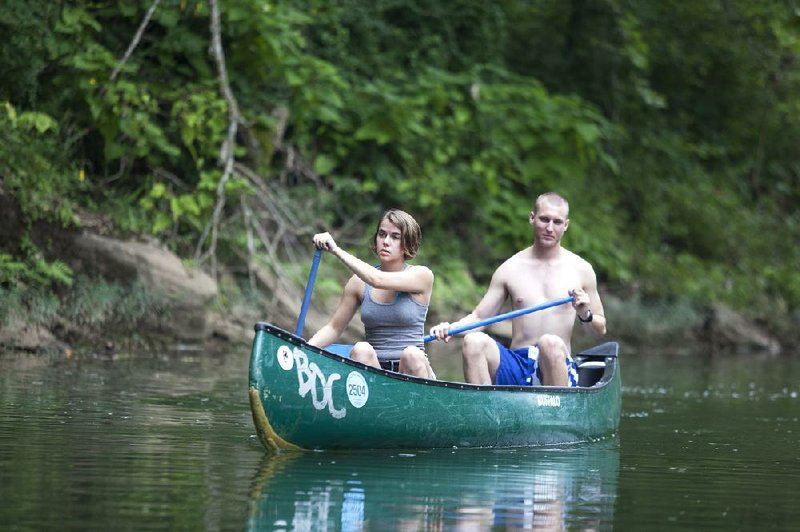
<point>391,327</point>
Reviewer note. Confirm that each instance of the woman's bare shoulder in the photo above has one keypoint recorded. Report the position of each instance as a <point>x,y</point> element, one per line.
<point>418,268</point>
<point>354,285</point>
<point>422,274</point>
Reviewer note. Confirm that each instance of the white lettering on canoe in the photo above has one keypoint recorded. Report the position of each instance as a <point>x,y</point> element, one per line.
<point>548,400</point>
<point>307,376</point>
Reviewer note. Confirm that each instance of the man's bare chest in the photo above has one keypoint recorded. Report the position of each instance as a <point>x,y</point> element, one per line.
<point>542,284</point>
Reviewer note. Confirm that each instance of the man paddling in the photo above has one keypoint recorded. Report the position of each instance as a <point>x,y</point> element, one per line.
<point>540,341</point>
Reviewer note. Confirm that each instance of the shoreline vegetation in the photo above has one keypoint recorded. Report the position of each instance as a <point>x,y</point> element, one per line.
<point>95,314</point>
<point>166,163</point>
<point>106,317</point>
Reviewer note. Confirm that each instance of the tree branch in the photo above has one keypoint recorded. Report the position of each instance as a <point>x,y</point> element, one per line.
<point>234,117</point>
<point>227,150</point>
<point>136,38</point>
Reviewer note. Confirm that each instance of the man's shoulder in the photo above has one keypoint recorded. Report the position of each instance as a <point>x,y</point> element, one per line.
<point>520,256</point>
<point>577,261</point>
<point>517,260</point>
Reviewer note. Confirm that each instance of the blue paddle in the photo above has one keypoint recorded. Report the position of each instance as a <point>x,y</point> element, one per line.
<point>344,349</point>
<point>501,317</point>
<point>312,277</point>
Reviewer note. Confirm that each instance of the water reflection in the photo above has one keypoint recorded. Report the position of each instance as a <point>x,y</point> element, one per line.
<point>158,442</point>
<point>459,489</point>
<point>137,443</point>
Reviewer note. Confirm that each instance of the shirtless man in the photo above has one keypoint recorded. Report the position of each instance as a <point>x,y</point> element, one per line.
<point>540,341</point>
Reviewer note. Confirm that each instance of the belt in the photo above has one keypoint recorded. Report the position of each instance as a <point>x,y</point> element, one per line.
<point>391,365</point>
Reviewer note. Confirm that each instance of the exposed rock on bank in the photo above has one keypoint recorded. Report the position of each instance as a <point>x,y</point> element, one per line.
<point>190,318</point>
<point>727,331</point>
<point>188,292</point>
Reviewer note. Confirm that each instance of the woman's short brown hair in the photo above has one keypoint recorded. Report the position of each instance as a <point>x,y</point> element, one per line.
<point>410,232</point>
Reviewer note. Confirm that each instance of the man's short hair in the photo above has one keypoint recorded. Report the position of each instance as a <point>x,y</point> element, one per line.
<point>551,197</point>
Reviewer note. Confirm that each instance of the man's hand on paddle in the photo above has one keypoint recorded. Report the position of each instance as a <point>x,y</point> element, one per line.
<point>441,331</point>
<point>580,302</point>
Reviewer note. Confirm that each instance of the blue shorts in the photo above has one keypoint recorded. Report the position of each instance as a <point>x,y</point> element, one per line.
<point>516,368</point>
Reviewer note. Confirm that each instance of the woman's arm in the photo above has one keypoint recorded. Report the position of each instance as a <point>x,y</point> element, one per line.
<point>414,280</point>
<point>331,331</point>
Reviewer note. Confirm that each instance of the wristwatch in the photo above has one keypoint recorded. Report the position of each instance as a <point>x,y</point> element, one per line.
<point>588,318</point>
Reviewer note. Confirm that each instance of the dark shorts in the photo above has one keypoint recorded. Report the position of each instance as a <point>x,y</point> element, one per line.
<point>519,368</point>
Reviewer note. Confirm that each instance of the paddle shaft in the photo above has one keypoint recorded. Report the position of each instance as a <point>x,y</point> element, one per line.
<point>312,277</point>
<point>501,317</point>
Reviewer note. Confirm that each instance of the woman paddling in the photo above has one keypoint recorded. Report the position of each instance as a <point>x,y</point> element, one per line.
<point>393,298</point>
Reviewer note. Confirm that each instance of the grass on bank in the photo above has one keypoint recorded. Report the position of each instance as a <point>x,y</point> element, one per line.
<point>87,308</point>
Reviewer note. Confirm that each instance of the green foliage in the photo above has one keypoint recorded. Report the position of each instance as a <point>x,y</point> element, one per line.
<point>31,269</point>
<point>26,29</point>
<point>455,291</point>
<point>30,146</point>
<point>34,177</point>
<point>655,322</point>
<point>670,126</point>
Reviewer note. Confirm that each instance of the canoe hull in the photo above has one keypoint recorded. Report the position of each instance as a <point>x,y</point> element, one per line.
<point>305,398</point>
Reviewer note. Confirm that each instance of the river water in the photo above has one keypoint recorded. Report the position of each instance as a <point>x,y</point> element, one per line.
<point>166,442</point>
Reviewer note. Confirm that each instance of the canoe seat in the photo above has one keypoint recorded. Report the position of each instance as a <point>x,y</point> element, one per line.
<point>590,372</point>
<point>343,350</point>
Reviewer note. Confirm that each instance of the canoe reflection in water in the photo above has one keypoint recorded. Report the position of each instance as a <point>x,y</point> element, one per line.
<point>458,489</point>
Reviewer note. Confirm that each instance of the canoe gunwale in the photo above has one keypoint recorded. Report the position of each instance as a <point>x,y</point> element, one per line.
<point>607,352</point>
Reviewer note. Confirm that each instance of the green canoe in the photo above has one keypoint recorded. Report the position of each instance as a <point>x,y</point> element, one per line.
<point>303,397</point>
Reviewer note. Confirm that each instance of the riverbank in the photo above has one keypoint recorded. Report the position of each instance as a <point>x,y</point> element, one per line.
<point>98,316</point>
<point>134,294</point>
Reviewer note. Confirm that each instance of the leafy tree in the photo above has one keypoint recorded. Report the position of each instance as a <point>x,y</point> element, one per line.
<point>669,125</point>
